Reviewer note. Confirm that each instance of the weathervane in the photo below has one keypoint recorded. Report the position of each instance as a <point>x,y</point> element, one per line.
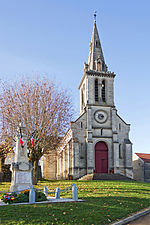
<point>95,15</point>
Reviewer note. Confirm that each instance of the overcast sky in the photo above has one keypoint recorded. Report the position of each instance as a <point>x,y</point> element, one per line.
<point>51,38</point>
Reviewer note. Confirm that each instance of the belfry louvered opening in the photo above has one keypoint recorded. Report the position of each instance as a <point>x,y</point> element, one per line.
<point>103,91</point>
<point>96,90</point>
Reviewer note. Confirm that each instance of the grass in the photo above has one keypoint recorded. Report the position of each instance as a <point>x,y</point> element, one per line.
<point>105,202</point>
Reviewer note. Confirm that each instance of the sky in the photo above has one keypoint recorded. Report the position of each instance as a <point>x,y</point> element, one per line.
<point>51,38</point>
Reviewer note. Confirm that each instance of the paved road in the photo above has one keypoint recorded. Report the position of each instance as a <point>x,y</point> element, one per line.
<point>144,220</point>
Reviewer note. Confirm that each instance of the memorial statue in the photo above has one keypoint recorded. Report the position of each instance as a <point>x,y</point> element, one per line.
<point>21,168</point>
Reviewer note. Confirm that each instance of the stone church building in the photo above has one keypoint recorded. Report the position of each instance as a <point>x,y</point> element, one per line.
<point>98,141</point>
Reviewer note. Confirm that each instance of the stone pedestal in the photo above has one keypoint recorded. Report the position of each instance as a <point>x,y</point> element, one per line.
<point>21,179</point>
<point>21,168</point>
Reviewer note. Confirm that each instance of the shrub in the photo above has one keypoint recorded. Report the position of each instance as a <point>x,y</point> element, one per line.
<point>22,198</point>
<point>40,196</point>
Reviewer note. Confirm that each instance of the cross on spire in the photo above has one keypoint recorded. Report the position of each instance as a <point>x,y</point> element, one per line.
<point>95,15</point>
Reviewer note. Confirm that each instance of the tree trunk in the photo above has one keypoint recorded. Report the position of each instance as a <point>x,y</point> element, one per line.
<point>35,171</point>
<point>1,174</point>
<point>0,164</point>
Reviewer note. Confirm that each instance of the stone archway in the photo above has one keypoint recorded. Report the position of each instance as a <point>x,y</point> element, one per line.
<point>101,157</point>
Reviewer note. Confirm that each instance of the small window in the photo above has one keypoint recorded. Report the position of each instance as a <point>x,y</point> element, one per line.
<point>81,125</point>
<point>96,90</point>
<point>97,44</point>
<point>119,126</point>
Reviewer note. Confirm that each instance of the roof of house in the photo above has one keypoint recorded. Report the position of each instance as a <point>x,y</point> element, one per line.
<point>145,157</point>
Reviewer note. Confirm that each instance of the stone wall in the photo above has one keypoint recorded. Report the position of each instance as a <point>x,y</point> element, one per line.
<point>147,172</point>
<point>124,146</point>
<point>138,168</point>
<point>49,165</point>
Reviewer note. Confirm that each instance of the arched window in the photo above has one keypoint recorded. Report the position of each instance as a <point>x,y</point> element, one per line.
<point>81,151</point>
<point>103,91</point>
<point>96,90</point>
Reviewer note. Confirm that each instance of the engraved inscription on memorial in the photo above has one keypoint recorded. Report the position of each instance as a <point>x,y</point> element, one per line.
<point>23,177</point>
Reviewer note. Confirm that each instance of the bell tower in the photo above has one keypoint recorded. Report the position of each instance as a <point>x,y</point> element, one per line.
<point>97,84</point>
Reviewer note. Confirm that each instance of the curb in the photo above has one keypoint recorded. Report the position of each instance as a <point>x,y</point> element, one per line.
<point>54,200</point>
<point>132,218</point>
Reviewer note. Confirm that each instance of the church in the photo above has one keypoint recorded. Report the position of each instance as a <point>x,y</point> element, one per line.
<point>98,141</point>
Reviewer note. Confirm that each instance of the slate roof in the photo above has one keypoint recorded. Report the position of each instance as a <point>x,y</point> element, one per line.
<point>95,52</point>
<point>127,141</point>
<point>145,157</point>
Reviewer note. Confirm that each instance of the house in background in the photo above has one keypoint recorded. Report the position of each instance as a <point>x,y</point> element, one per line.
<point>141,167</point>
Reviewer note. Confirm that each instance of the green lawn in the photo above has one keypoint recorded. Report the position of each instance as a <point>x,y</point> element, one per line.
<point>105,202</point>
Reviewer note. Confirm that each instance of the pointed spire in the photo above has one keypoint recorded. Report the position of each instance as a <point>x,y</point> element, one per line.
<point>96,59</point>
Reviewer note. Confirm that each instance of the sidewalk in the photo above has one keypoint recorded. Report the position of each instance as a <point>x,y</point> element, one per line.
<point>143,220</point>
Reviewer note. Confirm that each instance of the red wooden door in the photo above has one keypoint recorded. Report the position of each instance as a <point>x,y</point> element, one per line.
<point>101,158</point>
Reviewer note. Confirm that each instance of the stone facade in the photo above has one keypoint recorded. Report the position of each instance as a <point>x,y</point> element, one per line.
<point>98,141</point>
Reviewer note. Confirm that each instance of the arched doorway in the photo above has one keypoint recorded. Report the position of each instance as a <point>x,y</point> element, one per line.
<point>101,157</point>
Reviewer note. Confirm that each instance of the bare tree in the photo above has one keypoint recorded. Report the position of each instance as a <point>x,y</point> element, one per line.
<point>45,111</point>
